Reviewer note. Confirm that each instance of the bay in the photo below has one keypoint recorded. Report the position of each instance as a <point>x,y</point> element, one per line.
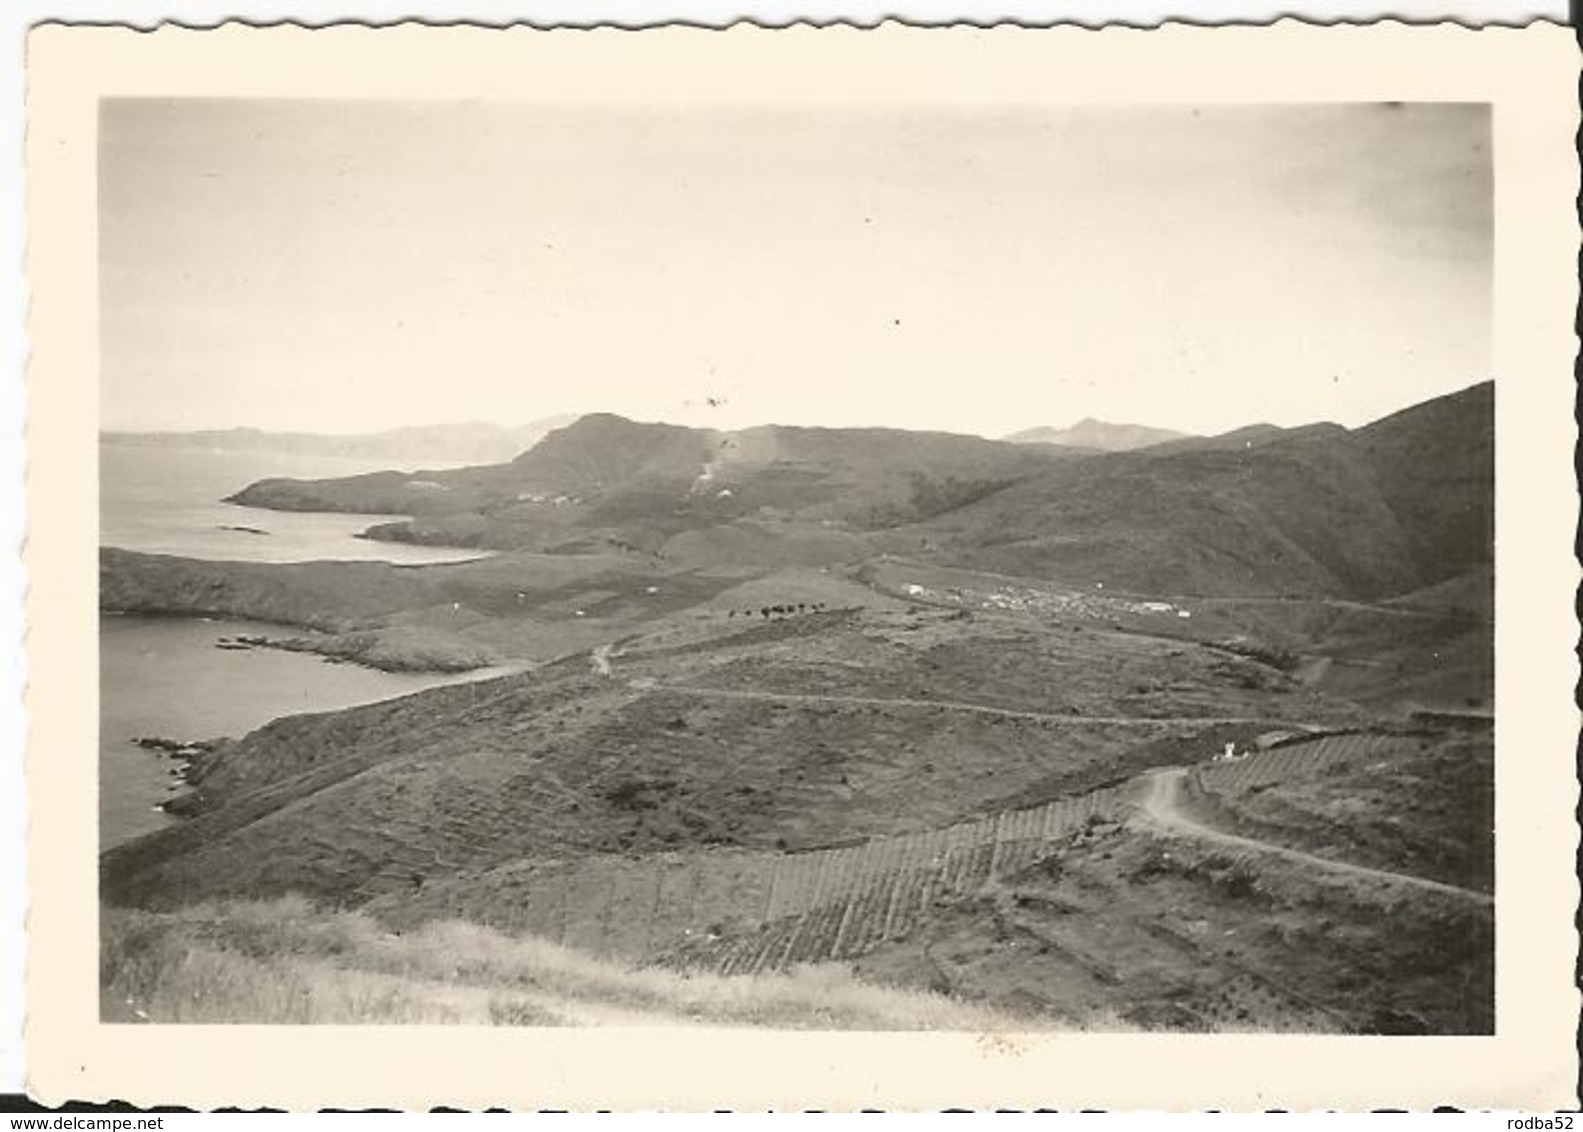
<point>164,677</point>
<point>168,500</point>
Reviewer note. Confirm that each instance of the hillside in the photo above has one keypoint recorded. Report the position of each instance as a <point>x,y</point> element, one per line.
<point>284,962</point>
<point>1397,509</point>
<point>1031,918</point>
<point>1395,506</point>
<point>521,606</point>
<point>1241,439</point>
<point>905,792</point>
<point>1398,505</point>
<point>1192,739</point>
<point>1435,467</point>
<point>643,483</point>
<point>1101,436</point>
<point>796,730</point>
<point>1324,914</point>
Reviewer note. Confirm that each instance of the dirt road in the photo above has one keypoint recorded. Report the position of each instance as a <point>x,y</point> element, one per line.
<point>1162,806</point>
<point>982,709</point>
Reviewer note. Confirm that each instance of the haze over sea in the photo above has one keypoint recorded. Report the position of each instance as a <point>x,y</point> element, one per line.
<point>163,676</point>
<point>164,499</point>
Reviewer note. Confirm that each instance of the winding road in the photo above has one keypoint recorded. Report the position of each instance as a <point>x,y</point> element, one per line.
<point>600,657</point>
<point>982,709</point>
<point>1162,807</point>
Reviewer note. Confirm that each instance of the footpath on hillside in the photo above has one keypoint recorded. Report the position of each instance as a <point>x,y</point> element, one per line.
<point>1162,807</point>
<point>1161,804</point>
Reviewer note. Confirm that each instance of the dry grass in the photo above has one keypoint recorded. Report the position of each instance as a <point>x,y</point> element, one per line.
<point>1176,934</point>
<point>282,961</point>
<point>1418,804</point>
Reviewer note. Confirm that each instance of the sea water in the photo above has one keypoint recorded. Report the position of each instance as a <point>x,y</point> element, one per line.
<point>167,500</point>
<point>164,677</point>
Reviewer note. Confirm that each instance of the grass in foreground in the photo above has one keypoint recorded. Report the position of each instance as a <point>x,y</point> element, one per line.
<point>282,961</point>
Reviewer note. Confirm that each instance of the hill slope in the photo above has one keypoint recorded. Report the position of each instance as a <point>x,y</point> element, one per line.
<point>1435,467</point>
<point>1262,863</point>
<point>644,482</point>
<point>774,732</point>
<point>284,962</point>
<point>1401,504</point>
<point>1241,439</point>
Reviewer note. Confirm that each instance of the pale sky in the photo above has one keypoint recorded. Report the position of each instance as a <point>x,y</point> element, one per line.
<point>344,267</point>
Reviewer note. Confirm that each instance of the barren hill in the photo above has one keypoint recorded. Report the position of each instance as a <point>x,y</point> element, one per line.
<point>1245,437</point>
<point>1133,735</point>
<point>644,482</point>
<point>1398,505</point>
<point>908,793</point>
<point>1435,467</point>
<point>797,730</point>
<point>1401,504</point>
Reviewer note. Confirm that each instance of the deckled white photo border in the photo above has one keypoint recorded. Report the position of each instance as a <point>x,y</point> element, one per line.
<point>1529,76</point>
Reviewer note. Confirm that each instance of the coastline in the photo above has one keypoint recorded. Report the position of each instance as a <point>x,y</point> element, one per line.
<point>171,704</point>
<point>387,650</point>
<point>346,608</point>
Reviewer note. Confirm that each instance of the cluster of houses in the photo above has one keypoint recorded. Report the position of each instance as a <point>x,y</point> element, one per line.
<point>1020,600</point>
<point>549,498</point>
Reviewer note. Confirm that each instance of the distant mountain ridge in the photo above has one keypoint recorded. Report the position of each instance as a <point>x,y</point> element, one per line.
<point>1395,506</point>
<point>1248,436</point>
<point>648,481</point>
<point>1400,504</point>
<point>465,442</point>
<point>1103,436</point>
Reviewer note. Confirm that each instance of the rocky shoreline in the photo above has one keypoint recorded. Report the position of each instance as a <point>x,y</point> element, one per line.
<point>363,613</point>
<point>384,650</point>
<point>190,760</point>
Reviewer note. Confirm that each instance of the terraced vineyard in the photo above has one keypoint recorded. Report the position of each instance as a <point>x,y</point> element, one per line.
<point>1347,798</point>
<point>740,911</point>
<point>845,902</point>
<point>1304,757</point>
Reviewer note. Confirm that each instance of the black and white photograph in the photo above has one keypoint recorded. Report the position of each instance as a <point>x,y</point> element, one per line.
<point>905,566</point>
<point>618,566</point>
